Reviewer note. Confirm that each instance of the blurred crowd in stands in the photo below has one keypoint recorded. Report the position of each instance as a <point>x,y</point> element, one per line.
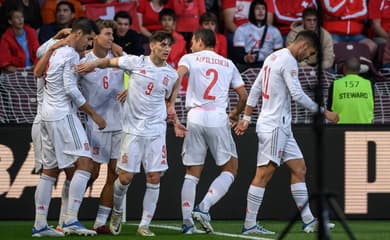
<point>247,31</point>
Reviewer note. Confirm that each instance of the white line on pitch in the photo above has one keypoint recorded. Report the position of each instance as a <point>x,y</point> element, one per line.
<point>215,233</point>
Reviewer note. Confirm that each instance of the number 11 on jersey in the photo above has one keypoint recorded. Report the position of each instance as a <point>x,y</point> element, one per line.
<point>264,93</point>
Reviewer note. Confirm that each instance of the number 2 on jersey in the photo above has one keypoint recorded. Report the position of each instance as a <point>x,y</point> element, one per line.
<point>267,71</point>
<point>212,83</point>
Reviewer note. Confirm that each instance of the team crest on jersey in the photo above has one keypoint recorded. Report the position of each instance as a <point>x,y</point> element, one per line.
<point>143,71</point>
<point>293,73</point>
<point>165,81</point>
<point>125,158</point>
<point>86,146</point>
<point>95,150</point>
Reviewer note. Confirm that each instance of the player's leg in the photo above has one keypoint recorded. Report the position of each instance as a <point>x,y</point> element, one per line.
<point>65,196</point>
<point>128,164</point>
<point>193,157</point>
<point>106,199</point>
<point>154,163</point>
<point>270,145</point>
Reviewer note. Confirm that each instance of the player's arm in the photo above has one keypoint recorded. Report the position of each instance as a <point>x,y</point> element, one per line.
<point>242,97</point>
<point>100,63</point>
<point>253,99</point>
<point>47,51</point>
<point>181,71</point>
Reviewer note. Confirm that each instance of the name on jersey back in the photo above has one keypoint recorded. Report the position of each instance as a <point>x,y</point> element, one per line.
<point>210,60</point>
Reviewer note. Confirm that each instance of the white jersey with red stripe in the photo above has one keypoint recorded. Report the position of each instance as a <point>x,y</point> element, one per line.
<point>101,88</point>
<point>144,111</point>
<point>61,94</point>
<point>277,83</point>
<point>210,77</point>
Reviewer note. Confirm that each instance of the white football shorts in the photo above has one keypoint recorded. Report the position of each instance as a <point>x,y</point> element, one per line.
<point>63,142</point>
<point>151,152</point>
<point>198,138</point>
<point>104,145</point>
<point>277,146</point>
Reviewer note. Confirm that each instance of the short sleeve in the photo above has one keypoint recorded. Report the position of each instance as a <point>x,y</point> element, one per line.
<point>129,62</point>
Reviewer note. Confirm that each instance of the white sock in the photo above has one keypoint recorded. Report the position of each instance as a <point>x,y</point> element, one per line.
<point>42,200</point>
<point>76,192</point>
<point>120,191</point>
<point>101,216</point>
<point>254,200</point>
<point>217,190</point>
<point>64,202</point>
<point>188,193</point>
<point>150,202</point>
<point>300,195</point>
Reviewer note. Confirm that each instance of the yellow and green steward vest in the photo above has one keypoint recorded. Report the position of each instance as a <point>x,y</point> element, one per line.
<point>353,99</point>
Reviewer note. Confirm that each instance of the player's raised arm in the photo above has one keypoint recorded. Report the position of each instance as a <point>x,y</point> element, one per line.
<point>100,63</point>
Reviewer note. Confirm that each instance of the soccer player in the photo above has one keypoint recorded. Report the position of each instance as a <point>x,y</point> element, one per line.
<point>210,77</point>
<point>63,138</point>
<point>151,83</point>
<point>277,83</point>
<point>101,88</point>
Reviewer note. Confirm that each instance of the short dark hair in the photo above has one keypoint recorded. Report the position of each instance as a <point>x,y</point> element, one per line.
<point>309,37</point>
<point>310,11</point>
<point>167,12</point>
<point>159,36</point>
<point>86,25</point>
<point>252,17</point>
<point>208,17</point>
<point>207,36</point>
<point>69,4</point>
<point>11,12</point>
<point>123,14</point>
<point>352,65</point>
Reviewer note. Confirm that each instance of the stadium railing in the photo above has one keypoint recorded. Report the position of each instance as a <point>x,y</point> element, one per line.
<point>18,102</point>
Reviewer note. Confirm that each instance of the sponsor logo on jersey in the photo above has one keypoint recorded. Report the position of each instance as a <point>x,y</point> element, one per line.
<point>86,146</point>
<point>125,158</point>
<point>95,150</point>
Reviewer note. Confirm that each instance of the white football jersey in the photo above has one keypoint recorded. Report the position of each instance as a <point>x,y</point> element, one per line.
<point>61,95</point>
<point>277,83</point>
<point>101,88</point>
<point>249,36</point>
<point>144,111</point>
<point>210,77</point>
<point>40,81</point>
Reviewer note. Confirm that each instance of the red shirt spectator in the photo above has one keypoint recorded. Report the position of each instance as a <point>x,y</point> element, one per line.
<point>178,50</point>
<point>188,14</point>
<point>148,15</point>
<point>344,17</point>
<point>236,12</point>
<point>286,12</point>
<point>48,11</point>
<point>379,13</point>
<point>209,20</point>
<point>221,45</point>
<point>12,53</point>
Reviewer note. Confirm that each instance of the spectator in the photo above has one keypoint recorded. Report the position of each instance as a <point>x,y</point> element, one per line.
<point>352,96</point>
<point>309,22</point>
<point>286,12</point>
<point>344,20</point>
<point>64,18</point>
<point>235,14</point>
<point>148,16</point>
<point>386,54</point>
<point>208,20</point>
<point>178,49</point>
<point>379,13</point>
<point>18,44</point>
<point>125,37</point>
<point>49,10</point>
<point>31,12</point>
<point>188,13</point>
<point>255,40</point>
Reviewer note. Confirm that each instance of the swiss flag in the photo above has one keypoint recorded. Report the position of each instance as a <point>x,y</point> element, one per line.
<point>107,11</point>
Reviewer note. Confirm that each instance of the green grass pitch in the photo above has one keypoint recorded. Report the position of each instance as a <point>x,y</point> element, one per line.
<point>169,230</point>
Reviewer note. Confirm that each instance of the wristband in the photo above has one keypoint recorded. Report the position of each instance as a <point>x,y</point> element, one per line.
<point>246,118</point>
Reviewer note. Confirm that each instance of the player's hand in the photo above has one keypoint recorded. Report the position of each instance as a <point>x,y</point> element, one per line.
<point>171,112</point>
<point>241,127</point>
<point>99,121</point>
<point>62,33</point>
<point>180,129</point>
<point>59,44</point>
<point>331,116</point>
<point>233,118</point>
<point>122,96</point>
<point>86,67</point>
<point>116,50</point>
